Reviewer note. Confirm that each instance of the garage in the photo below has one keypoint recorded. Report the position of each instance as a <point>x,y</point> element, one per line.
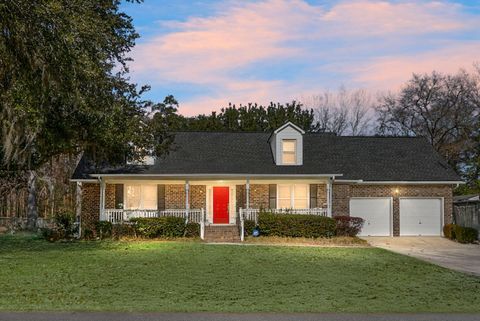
<point>421,216</point>
<point>377,213</point>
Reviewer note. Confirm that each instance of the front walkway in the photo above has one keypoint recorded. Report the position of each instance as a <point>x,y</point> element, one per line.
<point>437,250</point>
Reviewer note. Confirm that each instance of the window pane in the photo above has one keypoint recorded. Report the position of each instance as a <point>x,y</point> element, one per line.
<point>284,191</point>
<point>149,195</point>
<point>284,203</point>
<point>301,191</point>
<point>289,158</point>
<point>301,203</point>
<point>133,196</point>
<point>288,145</point>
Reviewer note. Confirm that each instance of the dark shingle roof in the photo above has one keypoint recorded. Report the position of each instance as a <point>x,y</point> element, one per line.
<point>365,158</point>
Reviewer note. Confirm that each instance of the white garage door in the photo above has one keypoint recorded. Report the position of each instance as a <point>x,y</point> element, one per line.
<point>376,212</point>
<point>420,216</point>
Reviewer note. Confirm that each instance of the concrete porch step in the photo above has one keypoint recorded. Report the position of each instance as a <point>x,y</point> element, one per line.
<point>222,233</point>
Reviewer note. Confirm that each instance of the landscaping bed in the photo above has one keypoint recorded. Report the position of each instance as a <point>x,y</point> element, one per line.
<point>303,241</point>
<point>192,276</point>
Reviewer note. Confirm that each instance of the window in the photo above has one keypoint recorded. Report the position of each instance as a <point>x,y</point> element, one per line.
<point>293,196</point>
<point>289,147</point>
<point>140,197</point>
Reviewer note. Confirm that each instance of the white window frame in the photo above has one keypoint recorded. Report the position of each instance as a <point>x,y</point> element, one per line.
<point>142,206</point>
<point>292,195</point>
<point>294,151</point>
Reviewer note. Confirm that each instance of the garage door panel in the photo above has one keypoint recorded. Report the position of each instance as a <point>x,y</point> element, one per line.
<point>375,212</point>
<point>420,216</point>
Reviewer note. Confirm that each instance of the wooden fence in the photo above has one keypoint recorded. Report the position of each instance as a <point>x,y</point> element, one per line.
<point>467,214</point>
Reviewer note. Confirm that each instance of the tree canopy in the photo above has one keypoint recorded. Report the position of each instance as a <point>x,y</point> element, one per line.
<point>63,83</point>
<point>250,117</point>
<point>443,108</point>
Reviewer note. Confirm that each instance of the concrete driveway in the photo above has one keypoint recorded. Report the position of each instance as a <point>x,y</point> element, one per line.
<point>437,250</point>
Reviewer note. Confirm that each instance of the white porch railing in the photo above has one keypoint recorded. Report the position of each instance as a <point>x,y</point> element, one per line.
<point>251,214</point>
<point>121,215</point>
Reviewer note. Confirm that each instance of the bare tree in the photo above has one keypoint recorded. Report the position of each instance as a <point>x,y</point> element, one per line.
<point>344,112</point>
<point>442,108</point>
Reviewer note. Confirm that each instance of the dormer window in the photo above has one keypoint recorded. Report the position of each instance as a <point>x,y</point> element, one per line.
<point>289,151</point>
<point>287,145</point>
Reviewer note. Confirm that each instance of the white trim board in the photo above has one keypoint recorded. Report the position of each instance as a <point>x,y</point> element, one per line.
<point>362,182</point>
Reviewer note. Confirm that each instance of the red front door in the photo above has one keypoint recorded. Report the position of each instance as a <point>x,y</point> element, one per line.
<point>220,205</point>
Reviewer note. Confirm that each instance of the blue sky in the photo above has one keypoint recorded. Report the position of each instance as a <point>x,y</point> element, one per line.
<point>209,53</point>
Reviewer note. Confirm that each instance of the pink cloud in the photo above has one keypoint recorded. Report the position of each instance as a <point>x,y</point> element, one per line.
<point>212,51</point>
<point>392,72</point>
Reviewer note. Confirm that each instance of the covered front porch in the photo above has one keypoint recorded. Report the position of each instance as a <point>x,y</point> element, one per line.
<point>213,201</point>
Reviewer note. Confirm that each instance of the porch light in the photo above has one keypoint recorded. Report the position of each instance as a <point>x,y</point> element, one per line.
<point>396,191</point>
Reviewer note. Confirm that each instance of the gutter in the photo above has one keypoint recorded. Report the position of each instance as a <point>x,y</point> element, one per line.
<point>360,181</point>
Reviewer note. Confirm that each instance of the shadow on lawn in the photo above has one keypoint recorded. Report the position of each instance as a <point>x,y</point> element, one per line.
<point>31,242</point>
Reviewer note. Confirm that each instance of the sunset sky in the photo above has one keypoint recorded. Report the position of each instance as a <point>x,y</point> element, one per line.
<point>209,53</point>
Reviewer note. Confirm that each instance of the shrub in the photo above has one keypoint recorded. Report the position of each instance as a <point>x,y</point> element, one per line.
<point>248,227</point>
<point>292,225</point>
<point>65,223</point>
<point>159,227</point>
<point>123,230</point>
<point>449,231</point>
<point>192,230</point>
<point>465,234</point>
<point>103,229</point>
<point>348,225</point>
<point>87,234</point>
<point>51,234</point>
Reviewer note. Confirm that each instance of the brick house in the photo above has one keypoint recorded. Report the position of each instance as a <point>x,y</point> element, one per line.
<point>399,185</point>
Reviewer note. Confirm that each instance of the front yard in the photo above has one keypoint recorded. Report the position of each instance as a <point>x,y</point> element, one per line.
<point>191,276</point>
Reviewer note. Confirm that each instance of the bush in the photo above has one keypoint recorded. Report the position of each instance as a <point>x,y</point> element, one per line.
<point>63,228</point>
<point>449,231</point>
<point>87,234</point>
<point>465,234</point>
<point>348,225</point>
<point>292,225</point>
<point>159,227</point>
<point>65,223</point>
<point>103,229</point>
<point>248,226</point>
<point>192,230</point>
<point>51,234</point>
<point>123,230</point>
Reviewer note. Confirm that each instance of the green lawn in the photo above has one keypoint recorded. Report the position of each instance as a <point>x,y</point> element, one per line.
<point>191,276</point>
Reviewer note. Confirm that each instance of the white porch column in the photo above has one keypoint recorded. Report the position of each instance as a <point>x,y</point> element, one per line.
<point>247,193</point>
<point>187,199</point>
<point>329,197</point>
<point>102,199</point>
<point>78,207</point>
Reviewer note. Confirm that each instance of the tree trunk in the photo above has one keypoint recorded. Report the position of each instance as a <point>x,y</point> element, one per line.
<point>32,213</point>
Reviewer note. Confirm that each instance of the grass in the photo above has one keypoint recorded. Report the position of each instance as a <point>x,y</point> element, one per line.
<point>191,276</point>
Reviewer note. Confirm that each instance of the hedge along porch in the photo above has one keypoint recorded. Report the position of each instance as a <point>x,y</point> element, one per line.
<point>217,202</point>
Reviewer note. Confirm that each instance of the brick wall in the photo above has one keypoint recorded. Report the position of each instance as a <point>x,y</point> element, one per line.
<point>322,195</point>
<point>175,196</point>
<point>90,213</point>
<point>241,196</point>
<point>90,205</point>
<point>343,192</point>
<point>110,196</point>
<point>198,196</point>
<point>259,195</point>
